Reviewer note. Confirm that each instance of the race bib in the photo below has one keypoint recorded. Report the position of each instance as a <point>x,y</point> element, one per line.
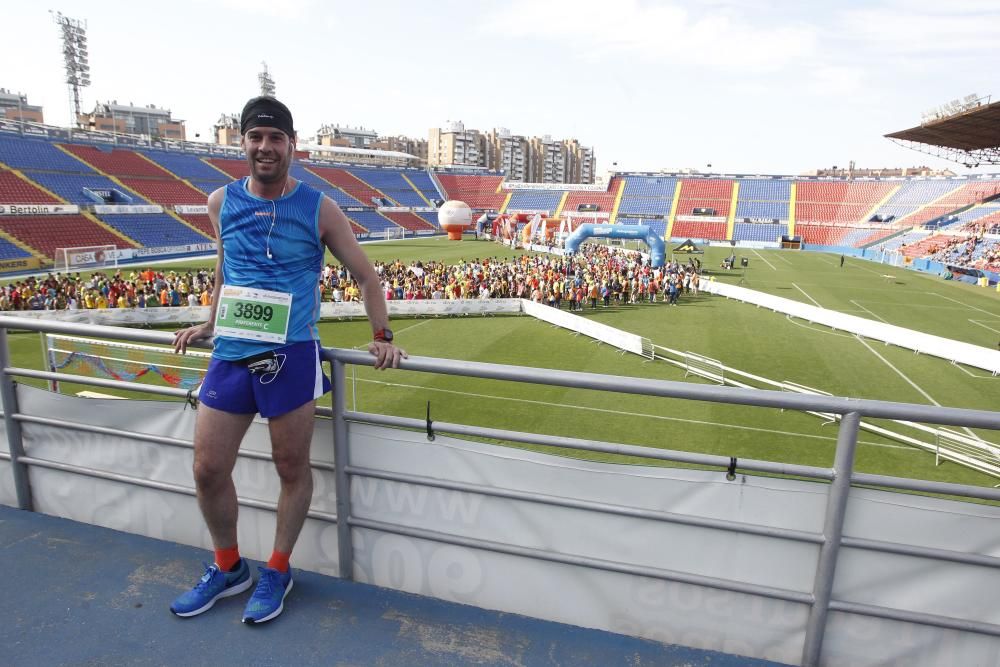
<point>253,314</point>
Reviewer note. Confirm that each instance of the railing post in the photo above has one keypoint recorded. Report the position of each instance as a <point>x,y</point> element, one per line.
<point>9,396</point>
<point>345,545</point>
<point>833,529</point>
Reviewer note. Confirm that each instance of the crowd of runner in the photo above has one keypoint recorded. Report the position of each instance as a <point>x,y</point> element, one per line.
<point>595,277</point>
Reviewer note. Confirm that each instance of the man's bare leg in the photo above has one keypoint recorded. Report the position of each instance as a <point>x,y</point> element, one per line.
<point>291,437</point>
<point>217,437</point>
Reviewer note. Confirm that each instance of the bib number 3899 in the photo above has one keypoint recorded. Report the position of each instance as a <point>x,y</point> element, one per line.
<point>253,311</point>
<point>253,314</point>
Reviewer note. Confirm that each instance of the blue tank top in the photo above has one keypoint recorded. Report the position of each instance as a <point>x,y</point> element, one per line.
<point>295,264</point>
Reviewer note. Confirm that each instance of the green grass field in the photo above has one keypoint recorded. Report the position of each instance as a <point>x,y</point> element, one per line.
<point>739,335</point>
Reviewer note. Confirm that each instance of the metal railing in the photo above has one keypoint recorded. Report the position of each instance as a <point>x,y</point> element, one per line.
<point>841,476</point>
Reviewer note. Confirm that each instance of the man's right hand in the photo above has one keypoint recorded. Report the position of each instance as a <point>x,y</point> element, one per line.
<point>184,337</point>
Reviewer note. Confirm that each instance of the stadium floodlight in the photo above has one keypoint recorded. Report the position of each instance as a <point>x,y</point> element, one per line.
<point>75,56</point>
<point>266,81</point>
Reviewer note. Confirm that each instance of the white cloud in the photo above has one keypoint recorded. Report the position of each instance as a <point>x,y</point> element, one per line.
<point>937,29</point>
<point>665,33</point>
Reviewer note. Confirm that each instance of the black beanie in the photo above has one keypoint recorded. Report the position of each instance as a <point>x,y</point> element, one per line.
<point>266,111</point>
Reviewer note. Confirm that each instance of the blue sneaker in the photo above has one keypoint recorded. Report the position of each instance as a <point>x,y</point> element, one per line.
<point>214,584</point>
<point>268,600</point>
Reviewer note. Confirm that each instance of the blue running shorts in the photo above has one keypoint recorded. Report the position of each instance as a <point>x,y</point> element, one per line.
<point>270,384</point>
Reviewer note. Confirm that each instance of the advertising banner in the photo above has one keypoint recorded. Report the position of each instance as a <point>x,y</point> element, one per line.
<point>39,209</point>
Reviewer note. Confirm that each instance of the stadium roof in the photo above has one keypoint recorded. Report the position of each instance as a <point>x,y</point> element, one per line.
<point>969,137</point>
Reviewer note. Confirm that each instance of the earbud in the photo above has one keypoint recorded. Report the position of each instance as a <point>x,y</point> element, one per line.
<point>269,254</point>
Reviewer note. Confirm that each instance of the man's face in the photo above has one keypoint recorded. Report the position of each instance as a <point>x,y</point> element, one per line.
<point>269,152</point>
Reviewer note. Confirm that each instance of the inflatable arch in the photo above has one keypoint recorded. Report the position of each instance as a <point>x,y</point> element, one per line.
<point>657,251</point>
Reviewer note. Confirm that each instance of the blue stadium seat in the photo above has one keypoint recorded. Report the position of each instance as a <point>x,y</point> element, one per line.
<point>71,187</point>
<point>535,200</point>
<point>10,251</point>
<point>186,165</point>
<point>154,230</point>
<point>21,153</point>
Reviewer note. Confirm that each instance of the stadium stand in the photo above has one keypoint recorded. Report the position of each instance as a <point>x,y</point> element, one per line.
<point>423,182</point>
<point>154,230</point>
<point>347,182</point>
<point>391,183</point>
<point>876,236</point>
<point>759,231</point>
<point>371,220</point>
<point>207,187</point>
<point>116,162</point>
<point>546,201</point>
<point>699,229</point>
<point>605,201</point>
<point>19,153</point>
<point>202,223</point>
<point>431,218</point>
<point>73,188</point>
<point>478,191</point>
<point>184,165</point>
<point>9,250</point>
<point>232,168</point>
<point>167,192</point>
<point>911,196</point>
<point>926,246</point>
<point>648,195</point>
<point>715,194</point>
<point>14,190</point>
<point>45,233</point>
<point>411,222</point>
<point>764,199</point>
<point>983,217</point>
<point>838,201</point>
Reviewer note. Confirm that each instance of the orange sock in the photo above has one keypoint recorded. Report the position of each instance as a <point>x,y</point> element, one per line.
<point>227,558</point>
<point>279,561</point>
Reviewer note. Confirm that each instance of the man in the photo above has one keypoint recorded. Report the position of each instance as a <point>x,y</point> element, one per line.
<point>272,232</point>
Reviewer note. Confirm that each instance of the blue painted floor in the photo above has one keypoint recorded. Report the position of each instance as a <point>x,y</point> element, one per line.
<point>76,594</point>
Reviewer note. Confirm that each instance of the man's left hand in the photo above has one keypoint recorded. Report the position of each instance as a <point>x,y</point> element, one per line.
<point>386,354</point>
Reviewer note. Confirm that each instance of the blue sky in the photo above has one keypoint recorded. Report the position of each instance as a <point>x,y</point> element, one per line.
<point>745,85</point>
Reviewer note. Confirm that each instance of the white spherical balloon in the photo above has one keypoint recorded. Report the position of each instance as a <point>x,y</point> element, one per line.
<point>454,214</point>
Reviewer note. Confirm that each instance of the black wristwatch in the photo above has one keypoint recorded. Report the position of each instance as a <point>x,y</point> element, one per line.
<point>384,335</point>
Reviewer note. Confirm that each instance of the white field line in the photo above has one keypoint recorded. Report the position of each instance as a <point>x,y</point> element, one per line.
<point>908,380</point>
<point>962,303</point>
<point>397,331</point>
<point>974,375</point>
<point>761,257</point>
<point>629,414</point>
<point>826,261</point>
<point>980,324</point>
<point>868,311</point>
<point>781,256</point>
<point>806,295</point>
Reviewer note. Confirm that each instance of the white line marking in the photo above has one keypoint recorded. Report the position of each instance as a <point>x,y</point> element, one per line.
<point>909,381</point>
<point>629,414</point>
<point>869,312</point>
<point>961,303</point>
<point>397,331</point>
<point>973,375</point>
<point>761,257</point>
<point>898,372</point>
<point>806,295</point>
<point>978,323</point>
